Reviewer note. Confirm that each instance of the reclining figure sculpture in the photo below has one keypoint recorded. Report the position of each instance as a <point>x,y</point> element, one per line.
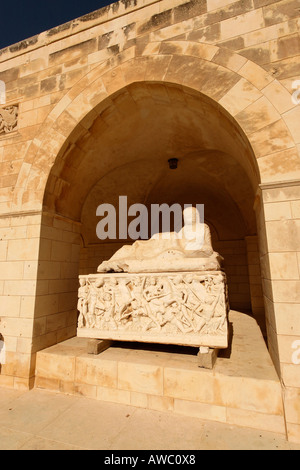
<point>170,289</point>
<point>190,249</point>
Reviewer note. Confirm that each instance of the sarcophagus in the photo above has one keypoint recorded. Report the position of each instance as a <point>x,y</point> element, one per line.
<point>186,308</point>
<point>164,290</point>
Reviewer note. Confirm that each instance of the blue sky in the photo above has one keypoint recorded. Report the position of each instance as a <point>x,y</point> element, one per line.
<point>21,19</point>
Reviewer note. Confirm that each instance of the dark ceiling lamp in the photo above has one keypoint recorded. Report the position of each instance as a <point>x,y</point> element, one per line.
<point>173,163</point>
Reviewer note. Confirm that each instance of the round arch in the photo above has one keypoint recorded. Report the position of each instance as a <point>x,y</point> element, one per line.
<point>237,85</point>
<point>230,85</point>
<point>250,99</point>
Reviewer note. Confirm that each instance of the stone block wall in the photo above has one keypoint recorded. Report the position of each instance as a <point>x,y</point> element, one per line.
<point>38,285</point>
<point>263,31</point>
<point>57,285</point>
<point>19,250</point>
<point>281,281</point>
<point>252,44</point>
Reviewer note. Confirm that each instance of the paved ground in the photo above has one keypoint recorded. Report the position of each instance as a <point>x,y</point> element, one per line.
<point>39,420</point>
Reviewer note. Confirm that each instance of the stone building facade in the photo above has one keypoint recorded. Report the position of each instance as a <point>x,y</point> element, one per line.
<point>94,109</point>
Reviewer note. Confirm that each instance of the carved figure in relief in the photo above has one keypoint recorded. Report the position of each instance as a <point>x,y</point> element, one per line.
<point>180,298</point>
<point>82,303</point>
<point>8,119</point>
<point>156,292</point>
<point>191,303</point>
<point>173,315</point>
<point>182,251</point>
<point>176,290</point>
<point>92,301</point>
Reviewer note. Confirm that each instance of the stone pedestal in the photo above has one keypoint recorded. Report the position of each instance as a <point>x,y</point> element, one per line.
<point>97,346</point>
<point>207,357</point>
<point>168,308</point>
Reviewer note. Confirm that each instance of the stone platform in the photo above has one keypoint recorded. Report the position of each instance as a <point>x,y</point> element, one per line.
<point>243,388</point>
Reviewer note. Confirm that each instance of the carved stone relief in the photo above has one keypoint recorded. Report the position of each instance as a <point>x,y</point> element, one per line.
<point>159,290</point>
<point>8,119</point>
<point>164,306</point>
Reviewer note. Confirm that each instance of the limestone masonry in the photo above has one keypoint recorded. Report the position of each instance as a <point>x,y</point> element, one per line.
<point>94,109</point>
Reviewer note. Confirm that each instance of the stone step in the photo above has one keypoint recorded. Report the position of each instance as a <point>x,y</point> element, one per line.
<point>243,388</point>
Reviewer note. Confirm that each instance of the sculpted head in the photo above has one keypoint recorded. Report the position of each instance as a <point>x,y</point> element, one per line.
<point>191,216</point>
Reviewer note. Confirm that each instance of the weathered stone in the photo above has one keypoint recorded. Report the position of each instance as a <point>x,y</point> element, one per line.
<point>10,74</point>
<point>95,108</point>
<point>259,55</point>
<point>159,20</point>
<point>190,9</point>
<point>8,119</point>
<point>73,52</point>
<point>48,85</point>
<point>207,358</point>
<point>58,29</point>
<point>280,11</point>
<point>96,346</point>
<point>226,11</point>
